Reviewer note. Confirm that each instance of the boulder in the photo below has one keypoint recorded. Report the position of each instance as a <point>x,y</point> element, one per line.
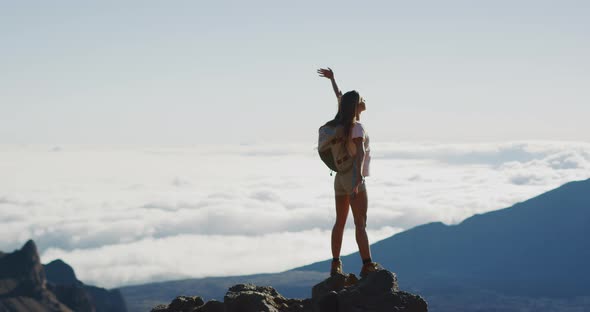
<point>378,291</point>
<point>212,306</point>
<point>251,298</point>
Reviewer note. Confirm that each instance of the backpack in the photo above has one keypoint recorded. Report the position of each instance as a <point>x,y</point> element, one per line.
<point>330,147</point>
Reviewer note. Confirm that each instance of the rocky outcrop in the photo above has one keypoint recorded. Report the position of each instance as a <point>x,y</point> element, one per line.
<point>247,297</point>
<point>181,304</point>
<point>59,272</point>
<point>378,291</point>
<point>27,285</point>
<point>23,286</point>
<point>25,266</point>
<point>239,298</point>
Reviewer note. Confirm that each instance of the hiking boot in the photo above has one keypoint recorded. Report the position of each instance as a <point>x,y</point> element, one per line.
<point>370,267</point>
<point>336,268</point>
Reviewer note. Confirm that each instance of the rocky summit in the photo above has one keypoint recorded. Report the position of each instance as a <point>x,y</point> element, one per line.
<point>27,285</point>
<point>23,286</point>
<point>377,292</point>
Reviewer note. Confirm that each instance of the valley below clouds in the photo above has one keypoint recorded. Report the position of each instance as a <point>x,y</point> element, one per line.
<point>123,215</point>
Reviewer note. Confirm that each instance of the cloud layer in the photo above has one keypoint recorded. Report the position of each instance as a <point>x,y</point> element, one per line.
<point>123,215</point>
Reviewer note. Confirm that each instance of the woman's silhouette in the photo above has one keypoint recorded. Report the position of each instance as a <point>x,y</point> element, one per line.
<point>349,187</point>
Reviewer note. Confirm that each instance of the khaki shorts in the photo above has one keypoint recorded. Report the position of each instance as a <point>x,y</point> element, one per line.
<point>343,183</point>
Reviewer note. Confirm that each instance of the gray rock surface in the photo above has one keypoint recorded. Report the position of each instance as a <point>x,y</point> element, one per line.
<point>186,304</point>
<point>248,297</point>
<point>377,292</point>
<point>212,306</point>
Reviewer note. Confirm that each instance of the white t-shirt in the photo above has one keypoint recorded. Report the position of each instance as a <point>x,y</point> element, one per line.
<point>358,131</point>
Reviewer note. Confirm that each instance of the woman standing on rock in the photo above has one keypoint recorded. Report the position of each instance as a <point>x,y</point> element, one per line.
<point>349,187</point>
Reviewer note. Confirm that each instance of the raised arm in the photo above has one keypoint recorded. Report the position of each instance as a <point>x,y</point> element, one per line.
<point>328,73</point>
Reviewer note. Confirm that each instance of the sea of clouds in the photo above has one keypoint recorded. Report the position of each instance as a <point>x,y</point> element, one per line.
<point>123,215</point>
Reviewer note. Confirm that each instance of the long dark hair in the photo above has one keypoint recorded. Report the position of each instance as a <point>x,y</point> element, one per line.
<point>347,113</point>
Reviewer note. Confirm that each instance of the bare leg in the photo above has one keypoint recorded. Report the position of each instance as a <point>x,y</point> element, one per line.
<point>342,204</point>
<point>359,206</point>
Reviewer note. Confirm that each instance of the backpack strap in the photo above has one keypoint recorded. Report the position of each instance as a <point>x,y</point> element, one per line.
<point>343,159</point>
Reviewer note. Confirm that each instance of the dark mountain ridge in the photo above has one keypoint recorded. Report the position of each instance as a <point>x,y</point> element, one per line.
<point>27,285</point>
<point>64,279</point>
<point>23,286</point>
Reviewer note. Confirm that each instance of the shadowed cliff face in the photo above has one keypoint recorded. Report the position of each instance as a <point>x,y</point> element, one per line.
<point>27,285</point>
<point>23,286</point>
<point>78,296</point>
<point>25,266</point>
<point>59,272</point>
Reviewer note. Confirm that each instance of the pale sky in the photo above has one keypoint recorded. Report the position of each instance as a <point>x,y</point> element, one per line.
<point>184,72</point>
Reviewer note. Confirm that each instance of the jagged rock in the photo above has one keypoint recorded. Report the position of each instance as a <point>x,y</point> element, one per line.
<point>160,308</point>
<point>328,302</point>
<point>25,265</point>
<point>333,283</point>
<point>182,304</point>
<point>211,306</point>
<point>186,304</point>
<point>245,298</point>
<point>23,286</point>
<point>248,297</point>
<point>27,285</point>
<point>378,291</point>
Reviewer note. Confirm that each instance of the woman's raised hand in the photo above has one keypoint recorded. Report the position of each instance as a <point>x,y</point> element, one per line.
<point>328,73</point>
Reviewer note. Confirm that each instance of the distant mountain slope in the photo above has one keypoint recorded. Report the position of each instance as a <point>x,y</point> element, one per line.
<point>539,247</point>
